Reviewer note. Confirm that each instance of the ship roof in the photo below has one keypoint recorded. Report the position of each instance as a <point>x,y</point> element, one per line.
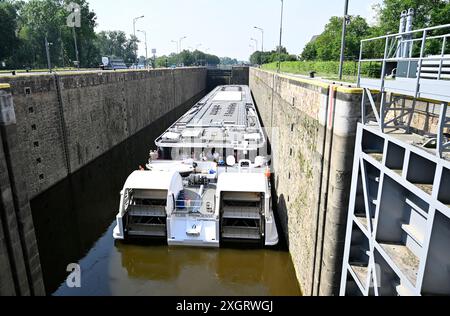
<point>225,118</point>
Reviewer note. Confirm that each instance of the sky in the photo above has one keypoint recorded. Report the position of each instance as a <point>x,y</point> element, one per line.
<point>225,27</point>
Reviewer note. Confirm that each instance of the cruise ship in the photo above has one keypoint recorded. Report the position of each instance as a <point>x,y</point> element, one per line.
<point>209,181</point>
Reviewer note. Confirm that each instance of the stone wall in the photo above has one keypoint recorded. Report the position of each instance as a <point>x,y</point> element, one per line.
<point>53,125</point>
<point>311,128</point>
<point>66,121</point>
<point>240,75</point>
<point>20,269</point>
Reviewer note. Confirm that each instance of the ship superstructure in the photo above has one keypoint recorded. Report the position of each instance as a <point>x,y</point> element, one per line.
<point>209,181</point>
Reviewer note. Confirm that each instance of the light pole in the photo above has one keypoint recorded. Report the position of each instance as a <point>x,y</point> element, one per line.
<point>344,31</point>
<point>47,51</point>
<point>180,40</point>
<point>281,35</point>
<point>206,56</point>
<point>134,33</point>
<point>176,43</point>
<point>256,42</point>
<point>76,47</point>
<point>146,50</point>
<point>179,48</point>
<point>196,55</point>
<point>262,37</point>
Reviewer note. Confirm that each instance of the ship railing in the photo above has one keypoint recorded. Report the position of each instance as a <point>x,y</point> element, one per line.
<point>192,207</point>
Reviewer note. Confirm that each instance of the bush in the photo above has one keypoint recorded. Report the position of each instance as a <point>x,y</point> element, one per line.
<point>324,68</point>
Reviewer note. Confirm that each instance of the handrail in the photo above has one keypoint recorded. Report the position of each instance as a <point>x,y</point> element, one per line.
<point>408,33</point>
<point>399,48</point>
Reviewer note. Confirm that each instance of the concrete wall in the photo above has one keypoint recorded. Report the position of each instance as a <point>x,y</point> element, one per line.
<point>233,75</point>
<point>312,138</point>
<point>20,269</point>
<point>66,121</point>
<point>53,125</point>
<point>240,75</point>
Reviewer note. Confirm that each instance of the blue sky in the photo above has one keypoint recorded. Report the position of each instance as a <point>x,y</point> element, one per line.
<point>223,26</point>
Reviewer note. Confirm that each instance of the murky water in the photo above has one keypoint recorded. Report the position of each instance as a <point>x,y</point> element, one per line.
<point>74,222</point>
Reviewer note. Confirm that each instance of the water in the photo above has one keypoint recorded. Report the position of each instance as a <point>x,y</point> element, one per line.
<point>74,222</point>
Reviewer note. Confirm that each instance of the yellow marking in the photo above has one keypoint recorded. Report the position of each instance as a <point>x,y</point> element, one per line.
<point>316,83</point>
<point>349,90</point>
<point>5,86</point>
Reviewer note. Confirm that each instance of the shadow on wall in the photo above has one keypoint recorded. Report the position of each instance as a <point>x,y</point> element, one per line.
<point>71,216</point>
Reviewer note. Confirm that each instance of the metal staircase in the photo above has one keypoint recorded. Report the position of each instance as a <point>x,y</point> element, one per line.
<point>408,75</point>
<point>398,227</point>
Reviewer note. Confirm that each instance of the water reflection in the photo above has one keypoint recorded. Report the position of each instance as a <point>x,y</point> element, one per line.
<point>74,222</point>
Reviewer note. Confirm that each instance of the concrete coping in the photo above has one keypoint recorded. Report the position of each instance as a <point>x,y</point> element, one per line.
<point>91,72</point>
<point>5,86</point>
<point>317,83</point>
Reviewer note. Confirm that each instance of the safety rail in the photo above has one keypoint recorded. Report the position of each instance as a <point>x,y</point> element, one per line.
<point>192,206</point>
<point>409,71</point>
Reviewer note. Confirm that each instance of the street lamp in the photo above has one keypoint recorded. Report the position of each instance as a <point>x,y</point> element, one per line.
<point>344,31</point>
<point>176,43</point>
<point>281,35</point>
<point>180,40</point>
<point>256,42</point>
<point>262,37</point>
<point>146,50</point>
<point>134,32</point>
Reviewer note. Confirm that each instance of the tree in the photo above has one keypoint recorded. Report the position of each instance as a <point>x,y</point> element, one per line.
<point>427,13</point>
<point>116,44</point>
<point>327,46</point>
<point>272,56</point>
<point>8,27</point>
<point>39,19</point>
<point>86,36</point>
<point>228,61</point>
<point>187,58</point>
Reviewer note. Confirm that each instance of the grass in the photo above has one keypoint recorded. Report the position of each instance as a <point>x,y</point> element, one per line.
<point>325,69</point>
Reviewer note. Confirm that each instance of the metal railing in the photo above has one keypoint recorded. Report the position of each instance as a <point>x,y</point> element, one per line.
<point>399,51</point>
<point>396,43</point>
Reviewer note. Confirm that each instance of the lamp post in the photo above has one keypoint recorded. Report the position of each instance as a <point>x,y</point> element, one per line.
<point>176,43</point>
<point>281,35</point>
<point>179,48</point>
<point>262,37</point>
<point>134,32</point>
<point>256,42</point>
<point>47,50</point>
<point>206,56</point>
<point>146,49</point>
<point>180,40</point>
<point>344,31</point>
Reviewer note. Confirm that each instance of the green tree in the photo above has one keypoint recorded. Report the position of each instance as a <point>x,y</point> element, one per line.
<point>427,13</point>
<point>271,56</point>
<point>8,28</point>
<point>86,36</point>
<point>39,19</point>
<point>116,44</point>
<point>327,46</point>
<point>228,61</point>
